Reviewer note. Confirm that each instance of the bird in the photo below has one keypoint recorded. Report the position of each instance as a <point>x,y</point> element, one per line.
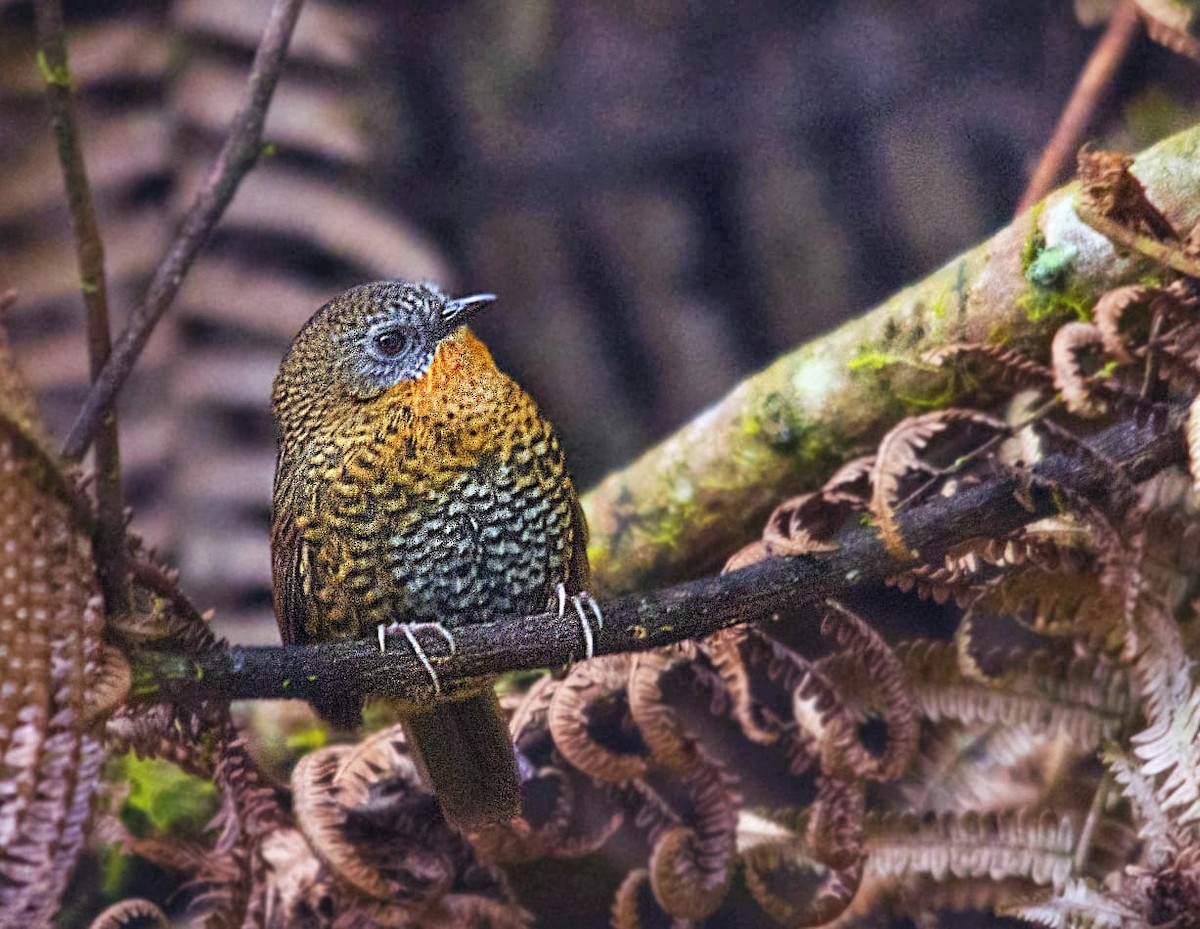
<point>419,487</point>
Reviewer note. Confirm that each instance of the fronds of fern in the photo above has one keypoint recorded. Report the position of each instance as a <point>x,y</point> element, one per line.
<point>1079,905</point>
<point>1033,846</point>
<point>1085,700</point>
<point>51,624</point>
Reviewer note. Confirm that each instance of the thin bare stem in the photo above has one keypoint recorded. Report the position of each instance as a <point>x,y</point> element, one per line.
<point>1077,115</point>
<point>762,592</point>
<point>237,156</point>
<point>109,536</point>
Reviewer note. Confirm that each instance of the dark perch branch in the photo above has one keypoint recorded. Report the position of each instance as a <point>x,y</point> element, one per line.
<point>759,593</point>
<point>237,156</point>
<point>109,537</point>
<point>1077,115</point>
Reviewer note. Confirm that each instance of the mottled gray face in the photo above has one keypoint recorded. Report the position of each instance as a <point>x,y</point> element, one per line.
<point>383,333</point>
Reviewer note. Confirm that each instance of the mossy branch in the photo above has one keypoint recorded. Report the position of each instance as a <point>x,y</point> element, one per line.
<point>765,592</point>
<point>688,502</point>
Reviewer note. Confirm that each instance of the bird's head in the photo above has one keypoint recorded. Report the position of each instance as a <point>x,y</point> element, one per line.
<point>371,338</point>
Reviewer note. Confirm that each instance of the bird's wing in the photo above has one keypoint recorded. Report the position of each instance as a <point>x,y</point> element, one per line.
<point>579,572</point>
<point>291,569</point>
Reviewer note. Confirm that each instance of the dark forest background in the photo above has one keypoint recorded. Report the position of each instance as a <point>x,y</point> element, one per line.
<point>665,195</point>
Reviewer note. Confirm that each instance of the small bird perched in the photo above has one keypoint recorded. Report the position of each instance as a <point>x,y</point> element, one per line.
<point>417,485</point>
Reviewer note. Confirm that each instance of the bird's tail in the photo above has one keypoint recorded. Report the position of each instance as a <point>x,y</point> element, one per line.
<point>465,754</point>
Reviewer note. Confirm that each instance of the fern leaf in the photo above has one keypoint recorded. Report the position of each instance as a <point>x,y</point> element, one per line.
<point>1037,847</point>
<point>1171,747</point>
<point>1087,701</point>
<point>1077,906</point>
<point>900,454</point>
<point>1193,442</point>
<point>1154,826</point>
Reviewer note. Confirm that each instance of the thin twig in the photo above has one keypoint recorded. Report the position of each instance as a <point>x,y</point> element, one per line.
<point>237,156</point>
<point>762,592</point>
<point>109,537</point>
<point>1081,107</point>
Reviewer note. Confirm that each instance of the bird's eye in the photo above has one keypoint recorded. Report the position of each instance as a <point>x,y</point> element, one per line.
<point>391,343</point>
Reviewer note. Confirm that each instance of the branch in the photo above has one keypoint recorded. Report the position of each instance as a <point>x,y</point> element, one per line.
<point>1077,115</point>
<point>698,495</point>
<point>237,156</point>
<point>109,535</point>
<point>760,593</point>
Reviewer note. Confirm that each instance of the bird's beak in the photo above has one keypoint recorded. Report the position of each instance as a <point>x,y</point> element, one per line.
<point>459,312</point>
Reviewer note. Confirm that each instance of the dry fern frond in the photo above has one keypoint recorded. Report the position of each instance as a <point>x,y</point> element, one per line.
<point>684,883</point>
<point>1056,604</point>
<point>51,622</point>
<point>881,665</point>
<point>660,726</point>
<point>225,885</point>
<point>566,812</point>
<point>691,864</point>
<point>393,859</point>
<point>294,885</point>
<point>634,906</point>
<point>1078,905</point>
<point>1016,370</point>
<point>1054,544</point>
<point>547,807</point>
<point>803,525</point>
<point>732,654</point>
<point>902,453</point>
<point>1074,345</point>
<point>1109,190</point>
<point>113,680</point>
<point>1168,749</point>
<point>530,719</point>
<point>320,814</point>
<point>1169,753</point>
<point>989,768</point>
<point>1037,847</point>
<point>783,877</point>
<point>1109,316</point>
<point>1155,828</point>
<point>1086,699</point>
<point>1168,895</point>
<point>768,682</point>
<point>820,714</point>
<point>162,730</point>
<point>852,479</point>
<point>130,913</point>
<point>1193,442</point>
<point>836,820</point>
<point>586,689</point>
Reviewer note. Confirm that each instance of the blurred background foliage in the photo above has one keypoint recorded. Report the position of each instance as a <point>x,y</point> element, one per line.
<point>665,195</point>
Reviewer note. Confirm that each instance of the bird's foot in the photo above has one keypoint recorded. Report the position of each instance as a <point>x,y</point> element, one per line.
<point>583,602</point>
<point>408,630</point>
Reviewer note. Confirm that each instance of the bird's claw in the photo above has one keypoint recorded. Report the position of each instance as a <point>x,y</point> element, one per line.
<point>408,630</point>
<point>579,601</point>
